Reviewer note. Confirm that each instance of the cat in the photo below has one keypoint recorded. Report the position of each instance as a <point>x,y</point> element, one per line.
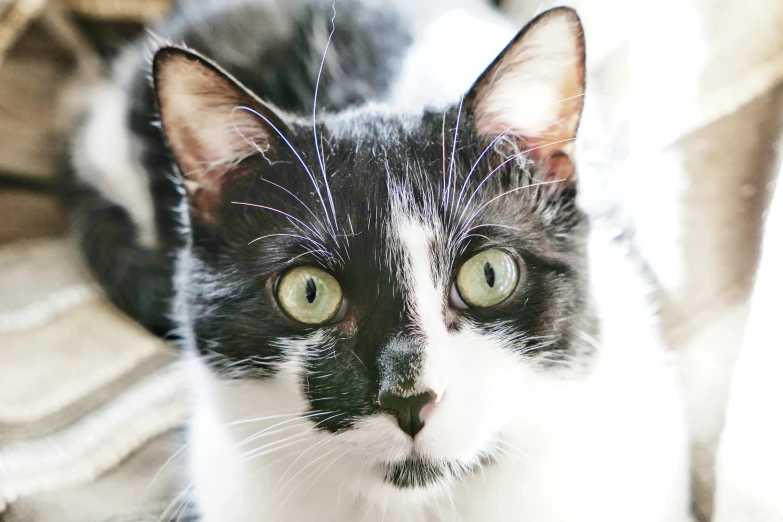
<point>364,221</point>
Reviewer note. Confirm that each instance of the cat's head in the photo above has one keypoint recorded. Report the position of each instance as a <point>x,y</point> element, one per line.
<point>402,283</point>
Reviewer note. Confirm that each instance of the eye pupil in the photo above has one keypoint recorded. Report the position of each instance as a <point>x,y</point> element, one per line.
<point>489,275</point>
<point>310,290</point>
<point>485,279</point>
<point>309,295</point>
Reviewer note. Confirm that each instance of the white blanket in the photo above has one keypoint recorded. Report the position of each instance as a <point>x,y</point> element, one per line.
<point>81,386</point>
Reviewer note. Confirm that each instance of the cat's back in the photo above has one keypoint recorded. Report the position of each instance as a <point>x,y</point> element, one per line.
<point>276,48</point>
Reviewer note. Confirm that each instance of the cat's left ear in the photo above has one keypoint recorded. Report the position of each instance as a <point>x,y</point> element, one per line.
<point>534,91</point>
<point>211,122</point>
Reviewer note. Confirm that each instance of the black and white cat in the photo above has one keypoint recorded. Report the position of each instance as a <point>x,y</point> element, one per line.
<point>392,304</point>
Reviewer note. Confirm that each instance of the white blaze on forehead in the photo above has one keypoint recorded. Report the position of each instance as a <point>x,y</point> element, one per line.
<point>423,293</point>
<point>425,296</point>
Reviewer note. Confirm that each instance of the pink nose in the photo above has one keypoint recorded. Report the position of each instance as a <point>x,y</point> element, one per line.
<point>408,410</point>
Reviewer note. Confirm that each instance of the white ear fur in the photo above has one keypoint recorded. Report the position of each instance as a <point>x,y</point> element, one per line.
<point>210,120</point>
<point>534,90</point>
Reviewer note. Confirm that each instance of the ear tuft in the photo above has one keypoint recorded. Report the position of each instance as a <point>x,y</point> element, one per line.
<point>211,122</point>
<point>534,91</point>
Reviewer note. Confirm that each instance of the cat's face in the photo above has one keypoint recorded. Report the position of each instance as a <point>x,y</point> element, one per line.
<point>411,276</point>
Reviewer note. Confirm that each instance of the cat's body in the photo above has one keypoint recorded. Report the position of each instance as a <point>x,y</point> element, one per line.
<point>552,404</point>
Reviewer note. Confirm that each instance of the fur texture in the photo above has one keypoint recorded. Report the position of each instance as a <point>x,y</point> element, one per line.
<point>271,153</point>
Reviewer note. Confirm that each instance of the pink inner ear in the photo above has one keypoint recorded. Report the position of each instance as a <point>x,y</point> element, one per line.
<point>194,153</point>
<point>536,89</point>
<point>555,153</point>
<point>204,176</point>
<point>559,167</point>
<point>206,194</point>
<point>213,136</point>
<point>211,122</point>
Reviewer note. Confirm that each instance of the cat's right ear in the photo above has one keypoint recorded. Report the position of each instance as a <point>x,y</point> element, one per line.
<point>211,122</point>
<point>533,92</point>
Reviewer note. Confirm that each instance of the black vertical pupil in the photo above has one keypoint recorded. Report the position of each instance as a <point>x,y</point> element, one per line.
<point>489,275</point>
<point>310,290</point>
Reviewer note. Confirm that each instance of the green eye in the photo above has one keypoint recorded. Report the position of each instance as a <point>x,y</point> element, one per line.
<point>309,295</point>
<point>487,278</point>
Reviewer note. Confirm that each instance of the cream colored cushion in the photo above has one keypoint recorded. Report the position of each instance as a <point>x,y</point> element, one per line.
<point>81,386</point>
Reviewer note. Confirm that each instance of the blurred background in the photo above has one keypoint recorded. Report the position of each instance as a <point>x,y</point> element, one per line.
<point>692,91</point>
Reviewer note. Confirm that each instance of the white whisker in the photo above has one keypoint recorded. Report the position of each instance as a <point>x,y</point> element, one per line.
<point>506,193</point>
<point>293,150</point>
<point>473,168</point>
<point>298,418</point>
<point>443,153</point>
<point>307,207</point>
<point>305,238</point>
<point>315,131</point>
<point>272,209</point>
<point>453,152</point>
<point>505,162</point>
<point>165,464</point>
<point>318,445</point>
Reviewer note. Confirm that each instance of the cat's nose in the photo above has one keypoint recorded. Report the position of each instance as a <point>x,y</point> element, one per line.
<point>408,410</point>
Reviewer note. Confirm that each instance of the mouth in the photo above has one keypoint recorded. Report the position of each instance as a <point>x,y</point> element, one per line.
<point>419,472</point>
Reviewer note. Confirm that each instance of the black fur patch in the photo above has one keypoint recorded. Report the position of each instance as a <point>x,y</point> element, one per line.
<point>274,217</point>
<point>415,472</point>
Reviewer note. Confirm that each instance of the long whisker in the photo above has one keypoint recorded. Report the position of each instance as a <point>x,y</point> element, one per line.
<point>307,207</point>
<point>177,503</point>
<point>329,465</point>
<point>281,458</point>
<point>267,417</point>
<point>305,238</point>
<point>512,158</point>
<point>264,450</point>
<point>277,210</point>
<point>269,432</point>
<point>385,506</point>
<point>280,488</point>
<point>512,451</point>
<point>482,207</point>
<point>315,132</point>
<point>323,467</point>
<point>297,418</point>
<point>505,453</point>
<point>524,457</point>
<point>473,168</point>
<point>453,152</point>
<point>482,236</point>
<point>165,464</point>
<point>443,154</point>
<point>275,446</point>
<point>537,347</point>
<point>276,490</point>
<point>474,227</point>
<point>293,150</point>
<point>308,450</point>
<point>309,252</point>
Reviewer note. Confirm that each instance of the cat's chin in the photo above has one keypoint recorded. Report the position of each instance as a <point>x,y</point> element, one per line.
<point>438,457</point>
<point>421,472</point>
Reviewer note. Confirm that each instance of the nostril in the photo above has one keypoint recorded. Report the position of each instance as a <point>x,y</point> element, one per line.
<point>410,411</point>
